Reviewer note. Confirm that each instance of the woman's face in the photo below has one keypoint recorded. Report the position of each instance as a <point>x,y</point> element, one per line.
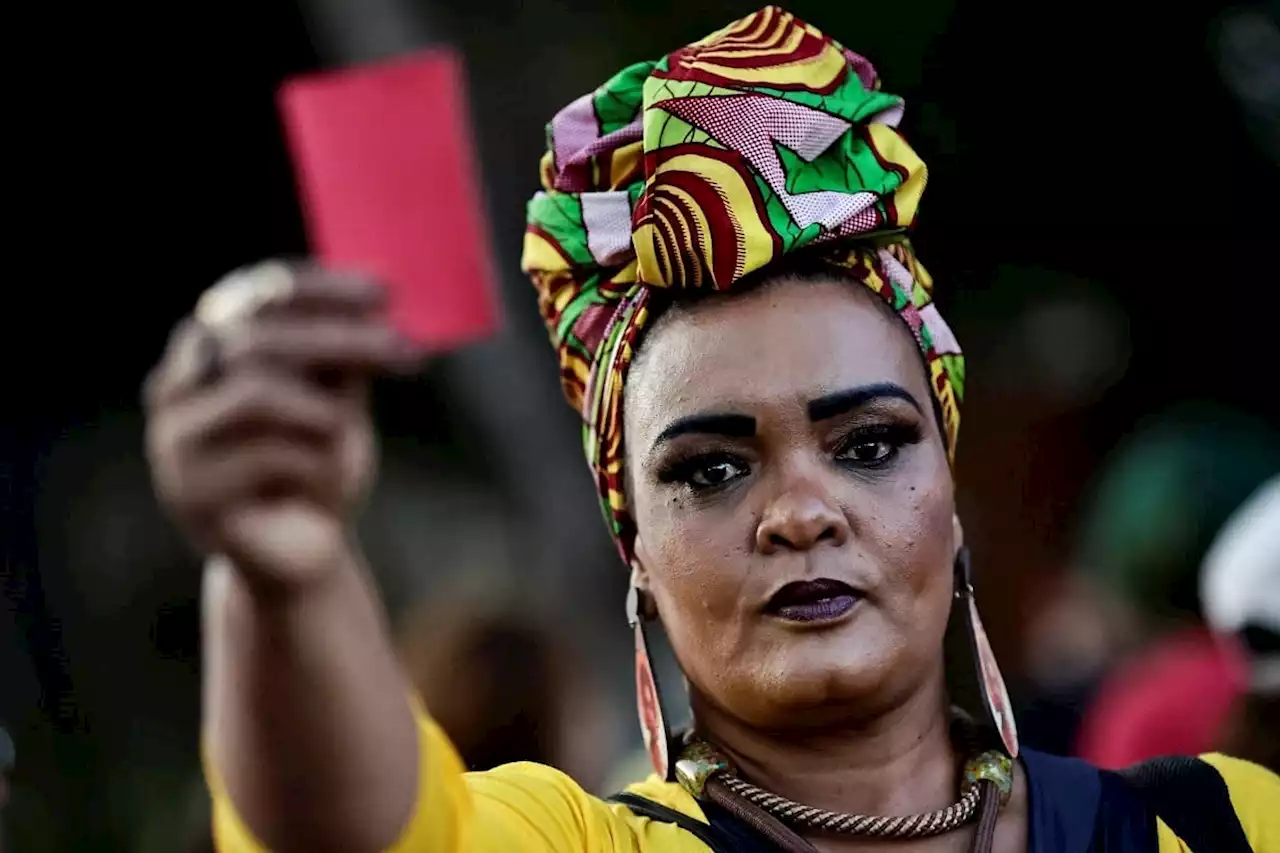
<point>793,502</point>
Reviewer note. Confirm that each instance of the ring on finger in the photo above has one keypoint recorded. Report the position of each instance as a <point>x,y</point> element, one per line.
<point>243,293</point>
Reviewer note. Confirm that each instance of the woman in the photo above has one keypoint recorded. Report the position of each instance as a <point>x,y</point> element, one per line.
<point>721,260</point>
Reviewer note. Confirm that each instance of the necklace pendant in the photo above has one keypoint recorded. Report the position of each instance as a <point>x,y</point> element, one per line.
<point>698,762</point>
<point>994,767</point>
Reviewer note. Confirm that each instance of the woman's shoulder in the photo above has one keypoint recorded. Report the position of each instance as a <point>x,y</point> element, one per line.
<point>1255,795</point>
<point>526,807</point>
<point>1072,800</point>
<point>1065,801</point>
<point>541,782</point>
<point>1244,777</point>
<point>545,781</point>
<point>514,799</point>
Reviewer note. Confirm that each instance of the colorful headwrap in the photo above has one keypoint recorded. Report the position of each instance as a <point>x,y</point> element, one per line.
<point>760,140</point>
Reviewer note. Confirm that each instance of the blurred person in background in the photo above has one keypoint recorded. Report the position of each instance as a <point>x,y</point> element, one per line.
<point>1240,588</point>
<point>783,499</point>
<point>1161,501</point>
<point>504,686</point>
<point>1159,505</point>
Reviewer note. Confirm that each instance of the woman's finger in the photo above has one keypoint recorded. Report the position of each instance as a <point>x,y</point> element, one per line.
<point>248,404</point>
<point>238,315</point>
<point>190,357</point>
<point>265,468</point>
<point>274,287</point>
<point>316,291</point>
<point>313,344</point>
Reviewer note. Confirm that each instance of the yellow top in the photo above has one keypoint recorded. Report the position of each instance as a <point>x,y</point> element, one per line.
<point>531,808</point>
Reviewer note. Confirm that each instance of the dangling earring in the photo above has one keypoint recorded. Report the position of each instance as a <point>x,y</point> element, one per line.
<point>653,724</point>
<point>990,684</point>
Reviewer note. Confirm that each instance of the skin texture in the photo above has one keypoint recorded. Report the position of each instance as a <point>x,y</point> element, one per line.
<point>852,714</point>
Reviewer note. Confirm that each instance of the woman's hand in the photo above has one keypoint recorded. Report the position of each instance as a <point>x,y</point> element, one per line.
<point>258,426</point>
<point>261,446</point>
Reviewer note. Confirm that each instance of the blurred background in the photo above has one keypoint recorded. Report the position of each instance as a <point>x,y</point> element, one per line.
<point>1100,219</point>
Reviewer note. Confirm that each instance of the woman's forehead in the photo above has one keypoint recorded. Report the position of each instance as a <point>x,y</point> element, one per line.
<point>778,346</point>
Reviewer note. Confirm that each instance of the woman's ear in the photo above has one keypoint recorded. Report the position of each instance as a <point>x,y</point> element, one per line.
<point>640,580</point>
<point>639,572</point>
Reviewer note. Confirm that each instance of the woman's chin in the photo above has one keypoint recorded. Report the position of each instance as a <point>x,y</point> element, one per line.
<point>819,691</point>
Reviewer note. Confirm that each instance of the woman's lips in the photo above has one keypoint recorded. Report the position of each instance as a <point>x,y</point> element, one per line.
<point>819,600</point>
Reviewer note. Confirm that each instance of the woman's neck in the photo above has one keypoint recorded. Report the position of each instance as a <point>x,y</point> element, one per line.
<point>900,762</point>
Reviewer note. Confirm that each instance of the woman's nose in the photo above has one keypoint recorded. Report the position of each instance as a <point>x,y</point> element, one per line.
<point>799,519</point>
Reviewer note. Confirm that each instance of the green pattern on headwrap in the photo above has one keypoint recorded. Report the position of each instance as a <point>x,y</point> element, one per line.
<point>615,101</point>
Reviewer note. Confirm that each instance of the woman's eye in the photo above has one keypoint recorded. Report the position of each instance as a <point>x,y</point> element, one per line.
<point>715,474</point>
<point>869,452</point>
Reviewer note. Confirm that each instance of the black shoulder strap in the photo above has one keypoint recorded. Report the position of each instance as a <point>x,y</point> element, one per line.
<point>714,836</point>
<point>1191,797</point>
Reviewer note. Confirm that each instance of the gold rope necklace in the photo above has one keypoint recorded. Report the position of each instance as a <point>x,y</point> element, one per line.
<point>987,784</point>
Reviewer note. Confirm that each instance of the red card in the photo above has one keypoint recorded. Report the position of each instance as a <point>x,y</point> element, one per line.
<point>383,155</point>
